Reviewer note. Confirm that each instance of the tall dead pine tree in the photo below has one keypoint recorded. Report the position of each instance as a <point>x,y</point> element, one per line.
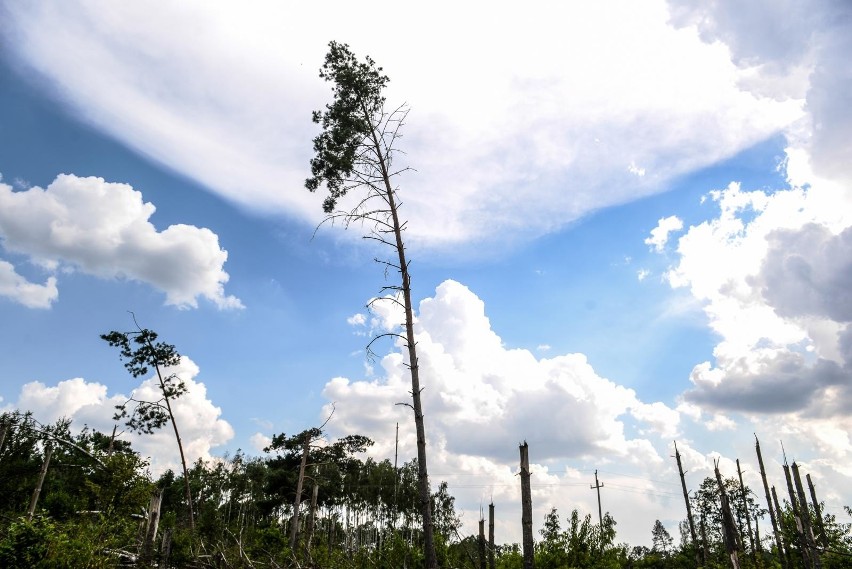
<point>355,151</point>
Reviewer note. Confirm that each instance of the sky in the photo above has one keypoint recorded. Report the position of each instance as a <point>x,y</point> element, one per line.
<point>629,224</point>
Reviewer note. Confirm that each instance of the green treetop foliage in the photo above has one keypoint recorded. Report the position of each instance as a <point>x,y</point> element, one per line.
<point>347,122</point>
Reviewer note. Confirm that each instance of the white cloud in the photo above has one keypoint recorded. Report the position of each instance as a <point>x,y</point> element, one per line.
<point>660,234</point>
<point>642,274</point>
<point>259,441</point>
<point>357,320</point>
<point>789,51</point>
<point>550,117</point>
<point>103,229</point>
<point>720,422</point>
<point>19,289</point>
<point>481,397</point>
<point>198,419</point>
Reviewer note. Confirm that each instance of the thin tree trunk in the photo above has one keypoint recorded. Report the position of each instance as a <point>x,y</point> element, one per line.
<point>4,428</point>
<point>294,526</point>
<point>186,485</point>
<point>823,537</point>
<point>48,452</point>
<point>772,518</point>
<point>491,564</point>
<point>786,552</point>
<point>729,528</point>
<point>800,533</point>
<point>745,510</point>
<point>482,561</point>
<point>414,367</point>
<point>312,517</point>
<point>526,509</point>
<point>688,508</point>
<point>806,519</point>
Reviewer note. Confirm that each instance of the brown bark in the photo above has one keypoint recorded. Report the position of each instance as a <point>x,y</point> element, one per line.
<point>414,367</point>
<point>526,509</point>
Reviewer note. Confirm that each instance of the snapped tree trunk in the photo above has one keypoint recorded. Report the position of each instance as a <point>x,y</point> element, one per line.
<point>797,515</point>
<point>526,509</point>
<point>48,452</point>
<point>688,509</point>
<point>729,528</point>
<point>769,506</point>
<point>823,538</point>
<point>491,564</point>
<point>744,500</point>
<point>482,560</point>
<point>806,519</point>
<point>147,554</point>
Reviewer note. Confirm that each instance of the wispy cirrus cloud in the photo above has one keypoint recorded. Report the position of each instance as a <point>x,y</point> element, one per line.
<point>555,105</point>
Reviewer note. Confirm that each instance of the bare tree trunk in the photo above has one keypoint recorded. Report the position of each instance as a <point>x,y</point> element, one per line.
<point>414,368</point>
<point>729,528</point>
<point>482,560</point>
<point>745,510</point>
<point>4,428</point>
<point>48,452</point>
<point>491,563</point>
<point>147,554</point>
<point>823,537</point>
<point>786,553</point>
<point>800,533</point>
<point>186,485</point>
<point>806,519</point>
<point>772,518</point>
<point>688,508</point>
<point>526,509</point>
<point>312,517</point>
<point>294,526</point>
<point>704,552</point>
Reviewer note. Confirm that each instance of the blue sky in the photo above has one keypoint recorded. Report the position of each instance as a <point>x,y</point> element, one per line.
<point>551,311</point>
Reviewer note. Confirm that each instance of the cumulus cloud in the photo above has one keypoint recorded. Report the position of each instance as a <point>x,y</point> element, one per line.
<point>772,272</point>
<point>19,289</point>
<point>808,272</point>
<point>90,403</point>
<point>790,50</point>
<point>551,117</point>
<point>660,234</point>
<point>103,229</point>
<point>481,398</point>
